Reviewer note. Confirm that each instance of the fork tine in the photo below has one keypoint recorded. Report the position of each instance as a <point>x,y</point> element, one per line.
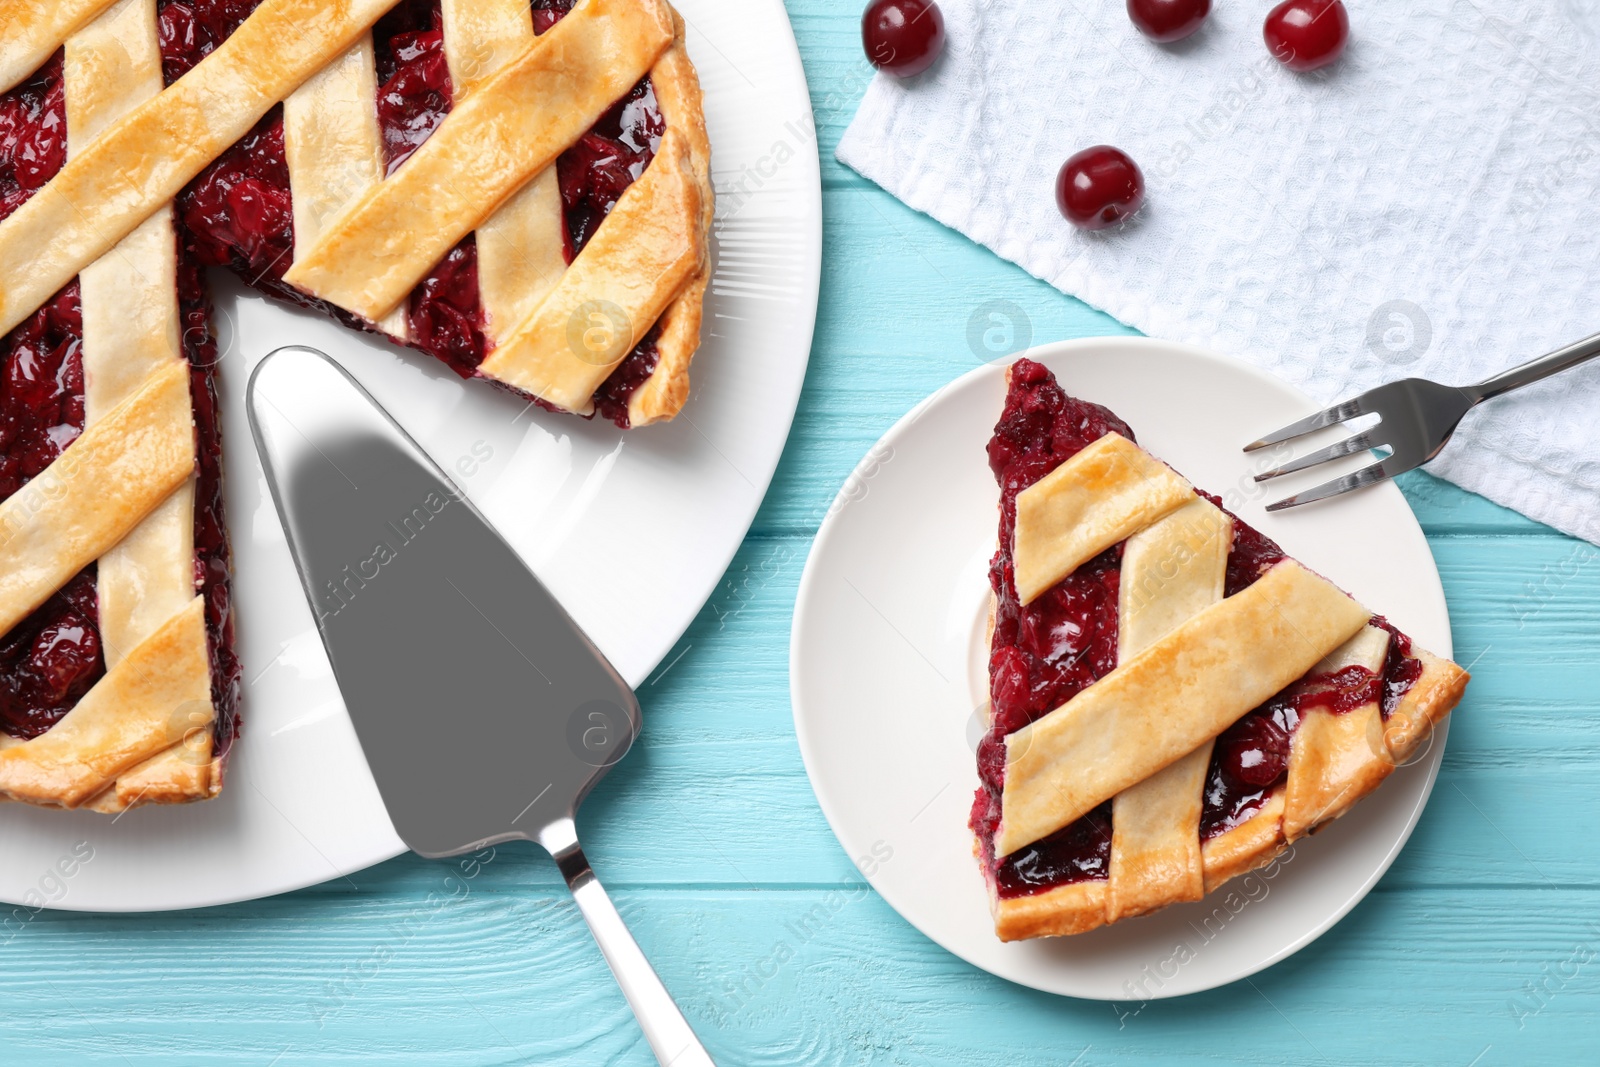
<point>1349,446</point>
<point>1339,486</point>
<point>1349,409</point>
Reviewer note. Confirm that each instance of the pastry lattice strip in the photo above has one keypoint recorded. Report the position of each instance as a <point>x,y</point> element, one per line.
<point>487,167</point>
<point>1190,664</point>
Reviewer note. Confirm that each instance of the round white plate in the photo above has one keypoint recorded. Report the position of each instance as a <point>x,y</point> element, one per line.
<point>631,531</point>
<point>888,667</point>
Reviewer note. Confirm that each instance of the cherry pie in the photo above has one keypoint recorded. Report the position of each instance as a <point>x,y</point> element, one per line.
<point>520,188</point>
<point>1173,699</point>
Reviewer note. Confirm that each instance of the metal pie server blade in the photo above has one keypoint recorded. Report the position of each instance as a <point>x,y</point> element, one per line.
<point>483,710</point>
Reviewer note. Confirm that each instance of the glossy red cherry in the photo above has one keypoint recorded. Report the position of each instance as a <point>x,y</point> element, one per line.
<point>902,37</point>
<point>1168,20</point>
<point>1307,34</point>
<point>1099,187</point>
<point>1254,750</point>
<point>65,656</point>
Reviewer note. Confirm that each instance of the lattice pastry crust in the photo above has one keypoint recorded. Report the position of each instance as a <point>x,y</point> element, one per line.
<point>1190,663</point>
<point>121,497</point>
<point>363,242</point>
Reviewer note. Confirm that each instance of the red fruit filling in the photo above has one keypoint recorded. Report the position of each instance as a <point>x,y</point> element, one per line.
<point>1043,653</point>
<point>595,172</point>
<point>50,659</point>
<point>547,13</point>
<point>33,135</point>
<point>238,213</point>
<point>414,90</point>
<point>190,30</point>
<point>41,389</point>
<point>1078,852</point>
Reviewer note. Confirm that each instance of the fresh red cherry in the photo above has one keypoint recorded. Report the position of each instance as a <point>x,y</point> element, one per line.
<point>1168,20</point>
<point>903,37</point>
<point>1307,34</point>
<point>1099,187</point>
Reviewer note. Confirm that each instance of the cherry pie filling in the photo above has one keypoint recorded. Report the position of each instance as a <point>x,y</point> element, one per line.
<point>238,213</point>
<point>1044,653</point>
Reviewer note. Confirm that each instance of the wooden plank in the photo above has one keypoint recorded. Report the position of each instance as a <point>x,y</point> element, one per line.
<point>493,972</point>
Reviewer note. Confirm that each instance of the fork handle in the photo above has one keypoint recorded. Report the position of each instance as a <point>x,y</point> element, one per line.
<point>1536,370</point>
<point>665,1028</point>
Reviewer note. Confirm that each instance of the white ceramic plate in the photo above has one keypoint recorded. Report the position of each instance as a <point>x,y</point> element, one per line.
<point>888,667</point>
<point>631,531</point>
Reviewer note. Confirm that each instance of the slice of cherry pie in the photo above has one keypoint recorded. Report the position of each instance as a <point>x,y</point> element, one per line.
<point>520,188</point>
<point>1173,699</point>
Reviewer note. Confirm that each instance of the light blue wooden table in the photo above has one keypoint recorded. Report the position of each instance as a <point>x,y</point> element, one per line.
<point>1481,946</point>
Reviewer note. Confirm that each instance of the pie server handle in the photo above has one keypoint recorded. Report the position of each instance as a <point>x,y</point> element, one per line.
<point>669,1033</point>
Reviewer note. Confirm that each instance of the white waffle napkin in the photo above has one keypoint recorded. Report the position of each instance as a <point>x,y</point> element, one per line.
<point>1429,206</point>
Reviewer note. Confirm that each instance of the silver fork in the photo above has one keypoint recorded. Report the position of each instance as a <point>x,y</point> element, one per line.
<point>1415,419</point>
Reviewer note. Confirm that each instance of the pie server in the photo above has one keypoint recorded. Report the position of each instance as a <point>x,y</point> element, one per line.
<point>484,712</point>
